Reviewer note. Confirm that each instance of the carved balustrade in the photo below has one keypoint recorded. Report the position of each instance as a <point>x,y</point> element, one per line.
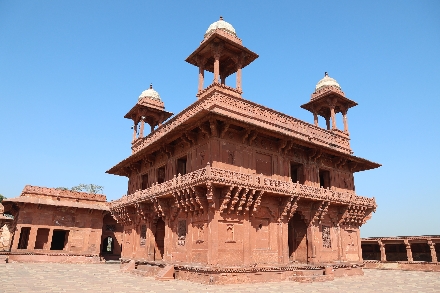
<point>261,115</point>
<point>247,182</point>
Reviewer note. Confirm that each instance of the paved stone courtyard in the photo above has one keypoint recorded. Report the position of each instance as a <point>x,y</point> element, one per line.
<point>53,277</point>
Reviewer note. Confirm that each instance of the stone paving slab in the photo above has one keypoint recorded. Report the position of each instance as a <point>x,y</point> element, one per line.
<point>55,277</point>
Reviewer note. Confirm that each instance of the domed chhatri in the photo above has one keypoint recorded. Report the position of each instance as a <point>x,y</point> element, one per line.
<point>221,24</point>
<point>327,81</point>
<point>150,93</point>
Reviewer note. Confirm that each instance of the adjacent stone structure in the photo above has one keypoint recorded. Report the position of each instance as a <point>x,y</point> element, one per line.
<point>231,191</point>
<point>62,226</point>
<point>402,252</point>
<point>6,231</point>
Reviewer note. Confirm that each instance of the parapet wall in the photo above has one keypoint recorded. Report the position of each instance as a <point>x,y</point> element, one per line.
<point>59,194</point>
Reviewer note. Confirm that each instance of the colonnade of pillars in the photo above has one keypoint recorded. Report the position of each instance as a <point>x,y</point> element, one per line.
<point>333,119</point>
<point>219,78</point>
<point>409,253</point>
<point>141,129</point>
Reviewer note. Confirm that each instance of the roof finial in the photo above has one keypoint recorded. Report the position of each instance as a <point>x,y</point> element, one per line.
<point>326,73</point>
<point>221,17</point>
<point>151,85</point>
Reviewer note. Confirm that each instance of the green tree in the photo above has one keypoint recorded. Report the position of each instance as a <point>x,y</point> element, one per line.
<point>2,198</point>
<point>90,188</point>
<point>61,188</point>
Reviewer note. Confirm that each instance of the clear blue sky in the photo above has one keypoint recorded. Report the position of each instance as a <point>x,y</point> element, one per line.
<point>70,70</point>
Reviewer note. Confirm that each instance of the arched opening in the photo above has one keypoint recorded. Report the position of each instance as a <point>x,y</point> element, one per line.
<point>108,245</point>
<point>159,237</point>
<point>297,237</point>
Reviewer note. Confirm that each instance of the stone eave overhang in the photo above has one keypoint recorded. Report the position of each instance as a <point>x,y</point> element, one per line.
<point>250,113</point>
<point>49,202</point>
<point>322,98</point>
<point>134,112</point>
<point>220,177</point>
<point>220,36</point>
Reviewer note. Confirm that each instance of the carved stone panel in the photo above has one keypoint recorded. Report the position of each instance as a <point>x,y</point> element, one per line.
<point>326,240</point>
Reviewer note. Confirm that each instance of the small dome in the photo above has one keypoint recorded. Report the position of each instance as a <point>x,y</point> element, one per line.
<point>327,81</point>
<point>221,24</point>
<point>151,94</point>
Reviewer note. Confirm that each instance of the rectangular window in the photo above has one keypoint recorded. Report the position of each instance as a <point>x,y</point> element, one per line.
<point>324,178</point>
<point>296,173</point>
<point>145,181</point>
<point>181,166</point>
<point>161,175</point>
<point>59,239</point>
<point>24,238</point>
<point>42,238</point>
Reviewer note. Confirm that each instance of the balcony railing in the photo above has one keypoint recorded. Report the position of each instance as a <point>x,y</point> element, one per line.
<point>218,176</point>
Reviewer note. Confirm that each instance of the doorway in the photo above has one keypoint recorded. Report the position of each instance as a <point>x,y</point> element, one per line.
<point>59,239</point>
<point>159,237</point>
<point>24,238</point>
<point>297,237</point>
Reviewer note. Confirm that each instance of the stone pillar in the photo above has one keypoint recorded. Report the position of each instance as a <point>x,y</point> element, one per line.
<point>327,122</point>
<point>223,79</point>
<point>315,119</point>
<point>433,252</point>
<point>383,256</point>
<point>311,253</point>
<point>16,239</point>
<point>141,131</point>
<point>247,249</point>
<point>332,113</point>
<point>408,250</point>
<point>238,77</point>
<point>32,238</point>
<point>134,131</point>
<point>216,66</point>
<point>344,118</point>
<point>201,78</point>
<point>213,230</point>
<point>49,240</point>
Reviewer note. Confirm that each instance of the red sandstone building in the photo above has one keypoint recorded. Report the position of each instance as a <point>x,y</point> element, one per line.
<point>231,191</point>
<point>60,226</point>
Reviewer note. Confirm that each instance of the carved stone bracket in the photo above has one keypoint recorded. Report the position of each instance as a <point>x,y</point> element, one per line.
<point>224,129</point>
<point>356,215</point>
<point>214,127</point>
<point>240,200</point>
<point>320,211</point>
<point>205,129</point>
<point>290,206</point>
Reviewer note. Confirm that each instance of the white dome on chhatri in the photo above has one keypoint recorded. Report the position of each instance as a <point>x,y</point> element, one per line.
<point>327,81</point>
<point>221,24</point>
<point>151,94</point>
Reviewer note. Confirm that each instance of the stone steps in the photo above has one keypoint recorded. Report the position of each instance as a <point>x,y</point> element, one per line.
<point>166,274</point>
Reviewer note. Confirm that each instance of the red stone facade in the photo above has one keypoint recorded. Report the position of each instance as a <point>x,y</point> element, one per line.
<point>62,226</point>
<point>229,190</point>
